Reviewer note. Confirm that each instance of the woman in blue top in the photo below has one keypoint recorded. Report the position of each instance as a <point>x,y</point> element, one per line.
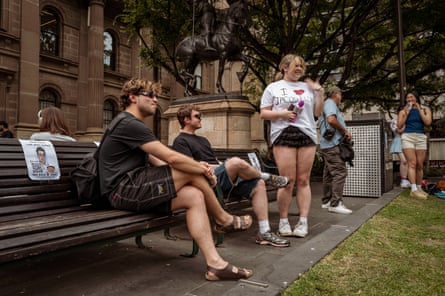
<point>414,117</point>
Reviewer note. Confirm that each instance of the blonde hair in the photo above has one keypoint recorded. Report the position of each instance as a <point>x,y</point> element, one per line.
<point>286,61</point>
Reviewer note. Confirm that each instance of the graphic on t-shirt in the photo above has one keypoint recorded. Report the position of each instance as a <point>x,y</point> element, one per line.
<point>299,92</point>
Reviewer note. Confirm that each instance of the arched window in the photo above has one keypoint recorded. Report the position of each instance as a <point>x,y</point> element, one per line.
<point>47,98</point>
<point>49,31</point>
<point>109,51</point>
<point>109,112</point>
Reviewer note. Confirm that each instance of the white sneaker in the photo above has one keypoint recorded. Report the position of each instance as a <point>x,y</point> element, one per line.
<point>326,205</point>
<point>285,230</point>
<point>300,230</point>
<point>340,209</point>
<point>405,184</point>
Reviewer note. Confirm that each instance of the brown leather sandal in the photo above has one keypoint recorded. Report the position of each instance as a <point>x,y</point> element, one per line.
<point>229,272</point>
<point>239,223</point>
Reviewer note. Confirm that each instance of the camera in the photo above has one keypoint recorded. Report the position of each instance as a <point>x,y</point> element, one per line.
<point>329,134</point>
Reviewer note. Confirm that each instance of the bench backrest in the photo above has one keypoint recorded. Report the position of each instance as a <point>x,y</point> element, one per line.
<point>223,154</point>
<point>21,196</point>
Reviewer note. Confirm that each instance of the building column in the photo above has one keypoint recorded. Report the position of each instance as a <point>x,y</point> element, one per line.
<point>28,98</point>
<point>95,70</point>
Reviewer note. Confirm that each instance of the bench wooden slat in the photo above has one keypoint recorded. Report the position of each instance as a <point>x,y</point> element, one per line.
<point>73,230</point>
<point>101,236</point>
<point>44,223</point>
<point>38,206</point>
<point>30,215</point>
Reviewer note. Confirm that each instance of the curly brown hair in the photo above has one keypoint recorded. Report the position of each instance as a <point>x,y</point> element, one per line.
<point>134,86</point>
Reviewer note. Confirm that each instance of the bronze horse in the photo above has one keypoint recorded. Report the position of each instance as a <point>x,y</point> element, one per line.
<point>191,51</point>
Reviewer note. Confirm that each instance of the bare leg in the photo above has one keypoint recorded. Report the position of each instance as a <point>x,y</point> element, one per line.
<point>237,167</point>
<point>420,158</point>
<point>213,206</point>
<point>411,159</point>
<point>260,202</point>
<point>286,160</point>
<point>403,166</point>
<point>305,160</point>
<point>198,225</point>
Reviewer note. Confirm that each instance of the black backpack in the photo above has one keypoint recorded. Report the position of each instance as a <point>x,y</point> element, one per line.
<point>86,175</point>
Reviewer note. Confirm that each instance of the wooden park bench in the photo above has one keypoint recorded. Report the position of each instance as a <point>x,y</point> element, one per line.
<point>43,217</point>
<point>40,217</point>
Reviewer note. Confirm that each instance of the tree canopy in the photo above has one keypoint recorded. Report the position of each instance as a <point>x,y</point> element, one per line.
<point>351,43</point>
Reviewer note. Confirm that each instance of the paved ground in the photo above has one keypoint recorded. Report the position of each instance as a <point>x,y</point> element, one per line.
<point>123,269</point>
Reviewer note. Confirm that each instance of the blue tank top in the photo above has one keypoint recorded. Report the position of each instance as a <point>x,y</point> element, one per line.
<point>414,123</point>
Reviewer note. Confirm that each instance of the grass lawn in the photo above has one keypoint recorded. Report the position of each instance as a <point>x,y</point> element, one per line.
<point>399,251</point>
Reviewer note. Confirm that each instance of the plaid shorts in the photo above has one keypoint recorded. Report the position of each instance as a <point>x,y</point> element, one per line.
<point>145,189</point>
<point>292,136</point>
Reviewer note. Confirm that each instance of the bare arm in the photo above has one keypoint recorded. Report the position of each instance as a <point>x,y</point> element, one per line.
<point>267,114</point>
<point>332,120</point>
<point>161,154</point>
<point>319,95</point>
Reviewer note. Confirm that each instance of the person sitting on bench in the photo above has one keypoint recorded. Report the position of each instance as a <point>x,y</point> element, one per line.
<point>139,173</point>
<point>236,177</point>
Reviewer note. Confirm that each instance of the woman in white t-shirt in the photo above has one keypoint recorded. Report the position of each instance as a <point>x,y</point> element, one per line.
<point>290,105</point>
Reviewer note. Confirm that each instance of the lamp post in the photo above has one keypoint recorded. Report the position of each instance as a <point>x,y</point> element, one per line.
<point>402,74</point>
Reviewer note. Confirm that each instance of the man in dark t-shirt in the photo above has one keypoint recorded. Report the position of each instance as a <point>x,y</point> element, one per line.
<point>236,177</point>
<point>139,173</point>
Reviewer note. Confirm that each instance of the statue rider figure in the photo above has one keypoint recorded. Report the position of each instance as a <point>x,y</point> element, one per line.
<point>206,11</point>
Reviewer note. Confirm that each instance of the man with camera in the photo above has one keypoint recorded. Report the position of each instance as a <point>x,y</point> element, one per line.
<point>333,129</point>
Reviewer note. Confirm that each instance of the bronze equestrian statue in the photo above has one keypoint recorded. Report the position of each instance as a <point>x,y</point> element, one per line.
<point>223,45</point>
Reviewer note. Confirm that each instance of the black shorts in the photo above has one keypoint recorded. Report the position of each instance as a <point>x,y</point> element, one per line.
<point>145,189</point>
<point>292,136</point>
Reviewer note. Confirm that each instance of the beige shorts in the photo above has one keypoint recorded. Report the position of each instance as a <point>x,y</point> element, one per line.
<point>414,141</point>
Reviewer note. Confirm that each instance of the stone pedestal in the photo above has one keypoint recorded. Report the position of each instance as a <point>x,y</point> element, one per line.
<point>226,119</point>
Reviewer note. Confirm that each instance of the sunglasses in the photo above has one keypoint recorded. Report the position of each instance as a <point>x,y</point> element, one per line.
<point>197,116</point>
<point>150,94</point>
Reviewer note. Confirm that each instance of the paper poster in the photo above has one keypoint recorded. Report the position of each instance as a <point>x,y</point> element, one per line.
<point>41,160</point>
<point>254,161</point>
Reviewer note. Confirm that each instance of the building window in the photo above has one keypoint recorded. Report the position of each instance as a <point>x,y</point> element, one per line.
<point>109,112</point>
<point>49,31</point>
<point>47,98</point>
<point>109,51</point>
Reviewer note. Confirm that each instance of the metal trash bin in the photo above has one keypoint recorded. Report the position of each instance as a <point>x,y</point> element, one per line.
<point>372,173</point>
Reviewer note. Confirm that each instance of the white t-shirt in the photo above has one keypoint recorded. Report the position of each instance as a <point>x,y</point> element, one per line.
<point>280,94</point>
<point>47,136</point>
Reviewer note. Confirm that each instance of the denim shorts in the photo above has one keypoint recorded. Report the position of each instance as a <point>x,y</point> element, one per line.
<point>241,188</point>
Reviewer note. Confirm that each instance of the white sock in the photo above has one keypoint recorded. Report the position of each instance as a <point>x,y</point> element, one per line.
<point>264,226</point>
<point>303,220</point>
<point>419,186</point>
<point>284,221</point>
<point>413,187</point>
<point>265,176</point>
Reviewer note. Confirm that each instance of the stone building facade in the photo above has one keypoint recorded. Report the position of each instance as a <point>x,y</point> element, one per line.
<point>69,54</point>
<point>72,54</point>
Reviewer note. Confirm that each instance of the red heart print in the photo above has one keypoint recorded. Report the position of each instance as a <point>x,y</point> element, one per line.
<point>299,91</point>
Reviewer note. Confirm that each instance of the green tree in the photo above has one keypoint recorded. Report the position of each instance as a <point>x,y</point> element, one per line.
<point>350,41</point>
